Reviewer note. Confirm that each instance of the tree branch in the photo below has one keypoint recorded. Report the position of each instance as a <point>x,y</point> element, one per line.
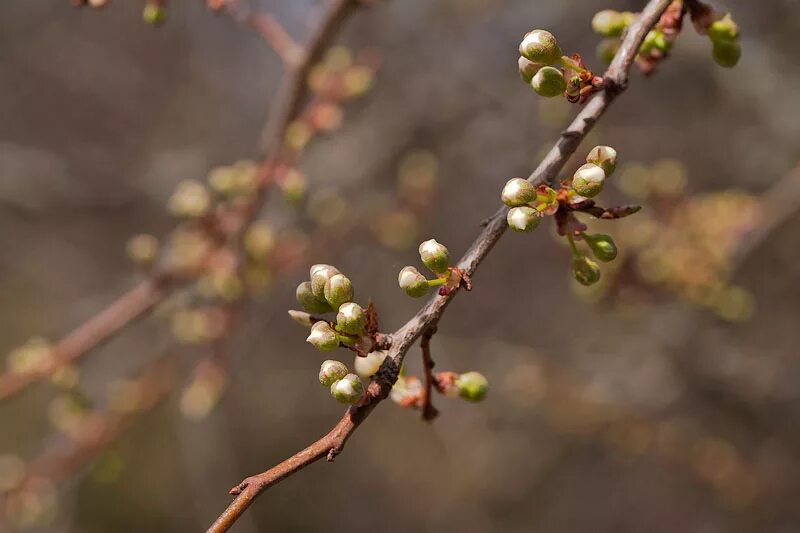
<point>616,79</point>
<point>429,412</point>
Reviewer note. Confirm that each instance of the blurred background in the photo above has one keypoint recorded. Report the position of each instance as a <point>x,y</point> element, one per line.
<point>667,399</point>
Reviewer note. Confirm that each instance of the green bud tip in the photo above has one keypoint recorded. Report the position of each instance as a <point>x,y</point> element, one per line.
<point>319,275</point>
<point>540,46</point>
<point>588,180</point>
<point>366,367</point>
<point>549,82</point>
<point>306,297</point>
<point>585,271</point>
<point>331,371</point>
<point>518,192</point>
<point>527,69</point>
<point>351,319</point>
<point>323,337</point>
<point>348,390</point>
<point>434,256</point>
<point>726,53</point>
<point>602,246</point>
<point>609,23</point>
<point>413,282</point>
<point>724,29</point>
<point>523,219</point>
<point>604,157</point>
<point>301,317</point>
<point>154,13</point>
<point>472,386</point>
<point>338,290</point>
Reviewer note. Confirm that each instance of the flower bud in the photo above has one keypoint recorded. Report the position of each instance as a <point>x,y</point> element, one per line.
<point>549,82</point>
<point>301,317</point>
<point>523,219</point>
<point>585,270</point>
<point>142,249</point>
<point>154,13</point>
<point>413,282</point>
<point>588,180</point>
<point>724,29</point>
<point>323,337</point>
<point>602,246</point>
<point>472,386</point>
<point>527,69</point>
<point>190,200</point>
<point>434,256</point>
<point>338,290</point>
<point>607,49</point>
<point>655,40</point>
<point>726,53</point>
<point>351,319</point>
<point>366,367</point>
<point>348,390</point>
<point>604,157</point>
<point>320,274</point>
<point>331,371</point>
<point>309,301</point>
<point>609,23</point>
<point>259,240</point>
<point>540,46</point>
<point>518,192</point>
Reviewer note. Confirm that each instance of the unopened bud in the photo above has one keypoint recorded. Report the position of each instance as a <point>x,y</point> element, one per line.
<point>348,390</point>
<point>549,82</point>
<point>527,69</point>
<point>190,200</point>
<point>607,49</point>
<point>540,46</point>
<point>585,271</point>
<point>301,317</point>
<point>434,256</point>
<point>523,219</point>
<point>351,319</point>
<point>331,371</point>
<point>472,386</point>
<point>517,192</point>
<point>413,282</point>
<point>604,157</point>
<point>323,337</point>
<point>366,367</point>
<point>338,290</point>
<point>602,246</point>
<point>142,249</point>
<point>609,23</point>
<point>726,53</point>
<point>259,240</point>
<point>154,13</point>
<point>588,180</point>
<point>309,301</point>
<point>724,29</point>
<point>320,274</point>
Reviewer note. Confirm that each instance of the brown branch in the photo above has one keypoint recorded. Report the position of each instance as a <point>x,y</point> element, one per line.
<point>330,445</point>
<point>277,37</point>
<point>429,412</point>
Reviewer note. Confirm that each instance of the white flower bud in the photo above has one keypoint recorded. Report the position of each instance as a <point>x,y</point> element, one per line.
<point>323,337</point>
<point>366,367</point>
<point>320,274</point>
<point>518,192</point>
<point>413,282</point>
<point>523,219</point>
<point>348,390</point>
<point>301,317</point>
<point>588,180</point>
<point>604,157</point>
<point>351,319</point>
<point>540,46</point>
<point>527,69</point>
<point>190,200</point>
<point>306,298</point>
<point>338,290</point>
<point>331,371</point>
<point>435,256</point>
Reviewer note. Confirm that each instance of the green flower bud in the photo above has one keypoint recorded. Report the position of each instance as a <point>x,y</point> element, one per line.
<point>549,82</point>
<point>331,371</point>
<point>190,200</point>
<point>724,29</point>
<point>306,298</point>
<point>726,53</point>
<point>472,386</point>
<point>434,256</point>
<point>527,69</point>
<point>338,290</point>
<point>301,317</point>
<point>518,192</point>
<point>607,49</point>
<point>655,40</point>
<point>154,14</point>
<point>523,219</point>
<point>609,23</point>
<point>351,319</point>
<point>413,282</point>
<point>366,367</point>
<point>540,46</point>
<point>588,180</point>
<point>602,246</point>
<point>585,270</point>
<point>323,337</point>
<point>320,274</point>
<point>348,390</point>
<point>604,157</point>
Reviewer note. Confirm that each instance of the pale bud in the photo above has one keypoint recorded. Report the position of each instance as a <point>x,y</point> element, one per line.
<point>604,157</point>
<point>301,317</point>
<point>190,200</point>
<point>338,290</point>
<point>609,23</point>
<point>348,390</point>
<point>351,319</point>
<point>366,367</point>
<point>331,371</point>
<point>320,274</point>
<point>435,256</point>
<point>527,69</point>
<point>306,298</point>
<point>259,240</point>
<point>142,249</point>
<point>540,46</point>
<point>323,337</point>
<point>517,192</point>
<point>523,219</point>
<point>413,282</point>
<point>472,386</point>
<point>588,180</point>
<point>585,271</point>
<point>602,246</point>
<point>549,82</point>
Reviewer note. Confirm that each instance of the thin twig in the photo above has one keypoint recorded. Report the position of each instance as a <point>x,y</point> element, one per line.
<point>330,445</point>
<point>429,412</point>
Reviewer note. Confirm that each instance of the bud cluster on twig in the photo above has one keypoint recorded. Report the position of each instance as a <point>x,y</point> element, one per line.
<point>436,258</point>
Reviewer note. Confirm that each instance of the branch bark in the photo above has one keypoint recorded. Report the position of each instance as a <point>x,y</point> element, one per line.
<point>616,80</point>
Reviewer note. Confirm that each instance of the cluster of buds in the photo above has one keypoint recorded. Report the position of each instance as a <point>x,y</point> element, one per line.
<point>529,204</point>
<point>436,258</point>
<point>344,386</point>
<point>549,73</point>
<point>470,386</point>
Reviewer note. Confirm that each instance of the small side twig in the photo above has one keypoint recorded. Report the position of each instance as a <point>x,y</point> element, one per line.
<point>429,412</point>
